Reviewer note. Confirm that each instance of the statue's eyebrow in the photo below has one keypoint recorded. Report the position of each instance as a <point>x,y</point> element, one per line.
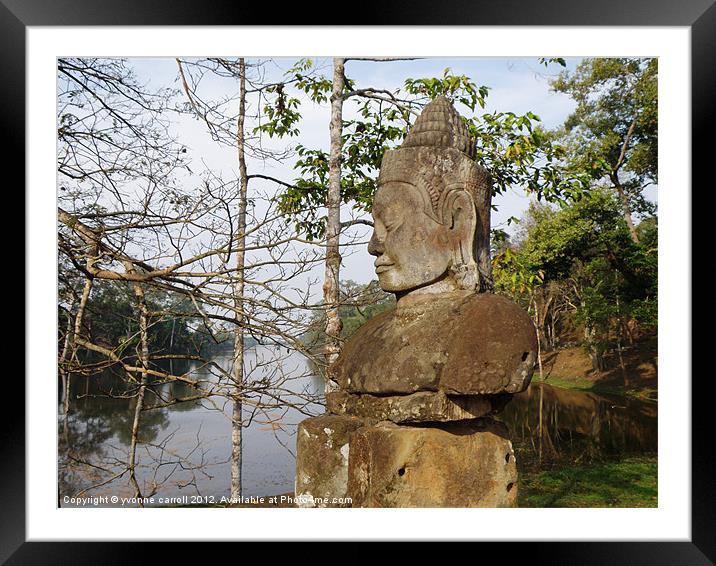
<point>392,211</point>
<point>377,208</point>
<point>383,207</point>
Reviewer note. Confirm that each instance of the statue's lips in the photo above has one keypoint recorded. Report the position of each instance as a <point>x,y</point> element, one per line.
<point>383,267</point>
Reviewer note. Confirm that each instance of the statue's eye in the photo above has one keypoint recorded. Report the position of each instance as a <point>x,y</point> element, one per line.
<point>391,222</point>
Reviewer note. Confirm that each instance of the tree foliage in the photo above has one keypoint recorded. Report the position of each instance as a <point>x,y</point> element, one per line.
<point>583,257</point>
<point>111,320</point>
<point>513,148</point>
<point>359,303</point>
<point>613,133</point>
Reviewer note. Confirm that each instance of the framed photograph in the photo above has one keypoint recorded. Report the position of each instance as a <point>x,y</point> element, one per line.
<point>44,40</point>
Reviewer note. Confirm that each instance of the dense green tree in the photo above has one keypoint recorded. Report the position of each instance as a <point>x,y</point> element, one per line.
<point>583,256</point>
<point>359,303</point>
<point>613,132</point>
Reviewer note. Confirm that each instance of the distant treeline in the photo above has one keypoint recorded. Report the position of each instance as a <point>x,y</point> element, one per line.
<point>174,328</point>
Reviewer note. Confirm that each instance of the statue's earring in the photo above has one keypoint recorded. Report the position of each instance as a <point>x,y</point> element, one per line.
<point>465,275</point>
<point>463,221</point>
<point>463,267</point>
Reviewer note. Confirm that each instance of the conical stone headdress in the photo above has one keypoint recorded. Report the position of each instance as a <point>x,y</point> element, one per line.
<point>437,157</point>
<point>439,125</point>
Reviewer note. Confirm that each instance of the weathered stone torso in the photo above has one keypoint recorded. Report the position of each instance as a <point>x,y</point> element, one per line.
<point>458,343</point>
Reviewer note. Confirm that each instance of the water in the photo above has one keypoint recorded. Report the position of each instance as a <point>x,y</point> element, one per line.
<point>186,446</point>
<point>577,427</point>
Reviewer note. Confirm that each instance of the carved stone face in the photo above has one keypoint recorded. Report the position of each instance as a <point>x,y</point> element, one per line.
<point>411,248</point>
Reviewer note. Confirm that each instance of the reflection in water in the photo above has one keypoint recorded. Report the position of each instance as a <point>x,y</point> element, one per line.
<point>185,447</point>
<point>577,426</point>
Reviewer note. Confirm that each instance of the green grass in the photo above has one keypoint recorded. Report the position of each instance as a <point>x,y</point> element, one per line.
<point>579,383</point>
<point>631,482</point>
<point>583,384</point>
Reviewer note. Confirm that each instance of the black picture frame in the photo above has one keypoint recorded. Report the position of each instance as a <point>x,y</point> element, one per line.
<point>699,15</point>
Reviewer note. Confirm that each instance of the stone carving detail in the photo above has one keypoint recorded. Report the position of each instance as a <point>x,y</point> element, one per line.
<point>415,408</point>
<point>420,383</point>
<point>436,161</point>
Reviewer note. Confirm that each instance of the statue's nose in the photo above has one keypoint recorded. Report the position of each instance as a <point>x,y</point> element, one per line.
<point>375,245</point>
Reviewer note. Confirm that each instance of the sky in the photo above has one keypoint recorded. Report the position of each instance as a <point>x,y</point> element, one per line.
<point>516,85</point>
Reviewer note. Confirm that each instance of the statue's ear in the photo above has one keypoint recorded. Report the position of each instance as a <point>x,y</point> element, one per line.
<point>460,210</point>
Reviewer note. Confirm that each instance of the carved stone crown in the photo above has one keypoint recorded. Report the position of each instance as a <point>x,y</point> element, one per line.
<point>439,125</point>
<point>437,157</point>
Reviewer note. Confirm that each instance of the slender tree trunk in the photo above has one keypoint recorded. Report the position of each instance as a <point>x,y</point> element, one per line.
<point>543,320</point>
<point>625,207</point>
<point>86,290</point>
<point>620,326</point>
<point>539,356</point>
<point>590,347</point>
<point>331,289</point>
<point>236,418</point>
<point>144,363</point>
<point>171,346</point>
<point>594,355</point>
<point>62,368</point>
<point>538,324</point>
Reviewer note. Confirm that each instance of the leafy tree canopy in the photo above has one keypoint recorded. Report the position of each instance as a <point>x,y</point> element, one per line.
<point>612,134</point>
<point>513,148</point>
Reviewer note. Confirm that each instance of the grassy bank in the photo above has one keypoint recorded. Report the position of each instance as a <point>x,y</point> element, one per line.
<point>584,384</point>
<point>634,375</point>
<point>631,482</point>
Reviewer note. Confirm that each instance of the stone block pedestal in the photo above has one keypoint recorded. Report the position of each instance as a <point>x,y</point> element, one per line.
<point>322,450</point>
<point>346,461</point>
<point>467,464</point>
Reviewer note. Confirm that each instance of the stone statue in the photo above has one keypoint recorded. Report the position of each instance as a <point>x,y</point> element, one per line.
<point>431,242</point>
<point>411,423</point>
<point>432,210</point>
